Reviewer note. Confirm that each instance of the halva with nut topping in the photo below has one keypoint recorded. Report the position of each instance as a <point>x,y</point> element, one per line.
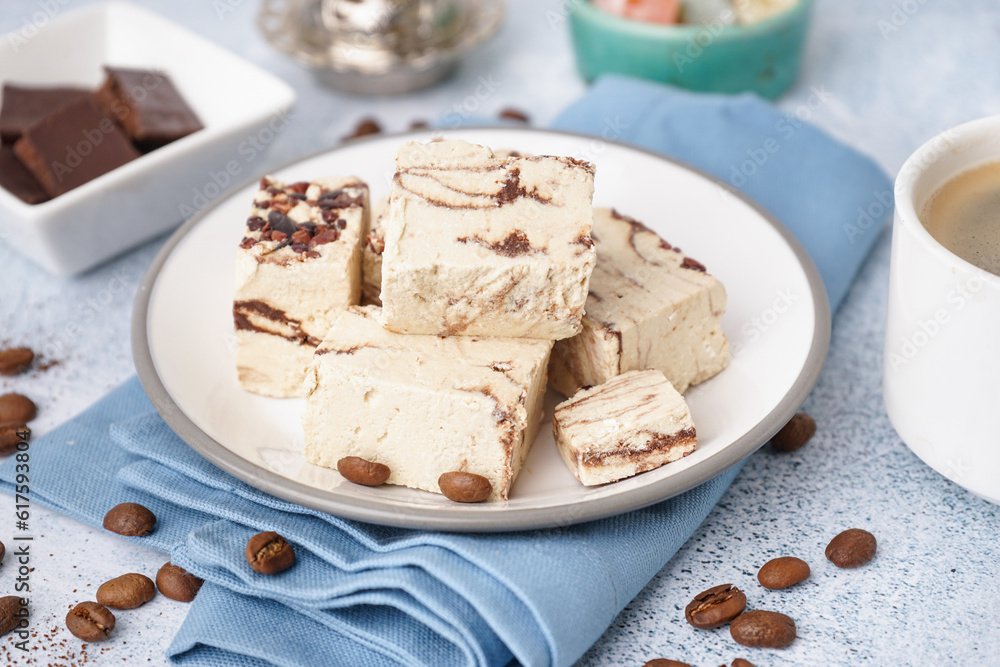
<point>297,267</point>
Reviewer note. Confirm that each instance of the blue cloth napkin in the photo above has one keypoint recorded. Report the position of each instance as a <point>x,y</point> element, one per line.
<point>362,594</point>
<point>831,198</point>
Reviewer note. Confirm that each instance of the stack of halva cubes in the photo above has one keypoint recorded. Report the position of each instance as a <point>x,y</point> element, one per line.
<point>424,340</point>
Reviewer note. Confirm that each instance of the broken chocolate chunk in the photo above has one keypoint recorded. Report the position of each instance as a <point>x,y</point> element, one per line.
<point>280,223</point>
<point>337,199</point>
<point>325,236</point>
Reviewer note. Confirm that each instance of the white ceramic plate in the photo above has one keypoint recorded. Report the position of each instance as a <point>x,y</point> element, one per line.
<point>778,322</point>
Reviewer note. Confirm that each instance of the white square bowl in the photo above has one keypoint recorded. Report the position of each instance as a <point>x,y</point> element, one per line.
<point>241,106</point>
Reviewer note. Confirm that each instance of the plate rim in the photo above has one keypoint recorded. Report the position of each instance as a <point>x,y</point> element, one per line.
<point>466,518</point>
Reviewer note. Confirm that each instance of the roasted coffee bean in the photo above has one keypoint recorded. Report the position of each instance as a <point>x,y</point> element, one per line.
<point>795,433</point>
<point>365,127</point>
<point>851,548</point>
<point>127,591</point>
<point>515,114</point>
<point>419,125</point>
<point>8,441</point>
<point>269,553</point>
<point>90,621</point>
<point>715,607</point>
<point>465,487</point>
<point>765,629</point>
<point>361,471</point>
<point>15,360</point>
<point>663,662</point>
<point>177,583</point>
<point>783,572</point>
<point>130,519</point>
<point>17,408</point>
<point>10,613</point>
<point>3,551</point>
<point>10,436</point>
<point>740,662</point>
<point>17,426</point>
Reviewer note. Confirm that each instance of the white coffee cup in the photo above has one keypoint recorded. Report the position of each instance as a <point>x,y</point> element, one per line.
<point>941,374</point>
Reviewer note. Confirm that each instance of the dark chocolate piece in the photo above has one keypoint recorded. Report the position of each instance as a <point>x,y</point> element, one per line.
<point>73,146</point>
<point>17,180</point>
<point>148,106</point>
<point>23,106</point>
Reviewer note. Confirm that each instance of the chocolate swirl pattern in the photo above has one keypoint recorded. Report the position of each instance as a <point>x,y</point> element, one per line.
<point>481,244</point>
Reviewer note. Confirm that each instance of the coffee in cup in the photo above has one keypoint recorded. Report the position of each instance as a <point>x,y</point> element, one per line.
<point>964,216</point>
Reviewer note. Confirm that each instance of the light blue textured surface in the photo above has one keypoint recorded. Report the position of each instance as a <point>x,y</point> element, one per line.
<point>890,75</point>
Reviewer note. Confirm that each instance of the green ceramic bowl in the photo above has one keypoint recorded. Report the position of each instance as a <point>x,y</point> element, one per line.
<point>763,58</point>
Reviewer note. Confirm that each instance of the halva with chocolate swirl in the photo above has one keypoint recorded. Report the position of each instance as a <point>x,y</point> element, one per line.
<point>424,405</point>
<point>371,266</point>
<point>482,245</point>
<point>371,258</point>
<point>633,423</point>
<point>650,306</point>
<point>297,267</point>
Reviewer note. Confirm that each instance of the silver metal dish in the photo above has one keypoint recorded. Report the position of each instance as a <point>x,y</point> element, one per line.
<point>379,47</point>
